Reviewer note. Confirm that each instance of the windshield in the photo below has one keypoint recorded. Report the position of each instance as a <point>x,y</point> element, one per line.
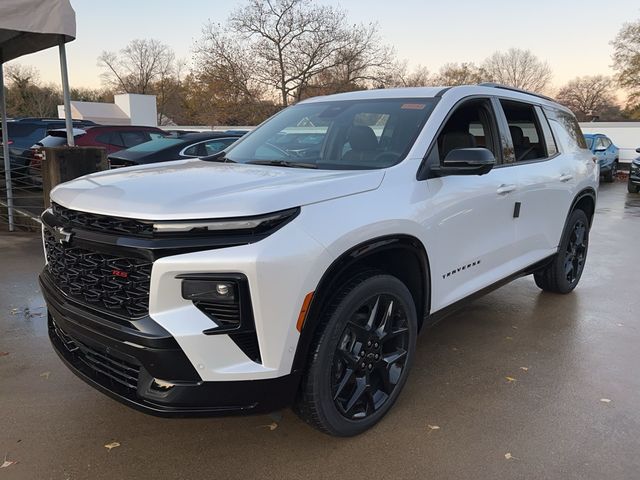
<point>155,145</point>
<point>357,134</point>
<point>589,141</point>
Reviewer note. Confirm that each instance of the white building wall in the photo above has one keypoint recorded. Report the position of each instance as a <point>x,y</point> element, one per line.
<point>626,136</point>
<point>141,109</point>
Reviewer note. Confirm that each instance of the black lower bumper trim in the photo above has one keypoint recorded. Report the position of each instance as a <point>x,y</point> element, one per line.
<point>126,369</point>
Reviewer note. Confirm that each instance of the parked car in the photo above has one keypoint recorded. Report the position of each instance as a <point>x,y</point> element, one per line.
<point>111,137</point>
<point>23,133</point>
<point>633,184</point>
<point>275,274</point>
<point>606,153</point>
<point>175,147</point>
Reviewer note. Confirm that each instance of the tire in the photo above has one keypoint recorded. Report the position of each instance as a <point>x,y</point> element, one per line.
<point>563,273</point>
<point>359,360</point>
<point>631,188</point>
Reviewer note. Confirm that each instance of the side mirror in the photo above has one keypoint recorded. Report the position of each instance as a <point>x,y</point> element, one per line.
<point>638,150</point>
<point>466,161</point>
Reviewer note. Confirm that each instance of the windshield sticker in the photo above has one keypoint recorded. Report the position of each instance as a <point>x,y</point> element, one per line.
<point>413,106</point>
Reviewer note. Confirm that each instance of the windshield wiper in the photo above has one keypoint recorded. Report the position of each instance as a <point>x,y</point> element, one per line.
<point>283,163</point>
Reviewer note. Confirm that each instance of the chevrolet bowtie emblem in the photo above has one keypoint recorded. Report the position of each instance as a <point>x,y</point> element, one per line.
<point>61,235</point>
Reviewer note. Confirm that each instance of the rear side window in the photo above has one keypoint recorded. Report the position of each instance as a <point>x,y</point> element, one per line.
<point>104,138</point>
<point>550,141</point>
<point>526,132</point>
<point>131,139</point>
<point>567,128</point>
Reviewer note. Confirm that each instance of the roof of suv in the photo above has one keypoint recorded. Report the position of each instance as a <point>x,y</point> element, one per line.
<point>433,92</point>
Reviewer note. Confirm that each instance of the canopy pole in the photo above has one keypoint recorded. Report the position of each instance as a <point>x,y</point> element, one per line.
<point>5,147</point>
<point>65,92</point>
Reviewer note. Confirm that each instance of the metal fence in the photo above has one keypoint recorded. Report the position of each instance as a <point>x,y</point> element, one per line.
<point>26,197</point>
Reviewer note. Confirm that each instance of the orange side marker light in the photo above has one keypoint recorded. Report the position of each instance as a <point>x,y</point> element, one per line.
<point>303,311</point>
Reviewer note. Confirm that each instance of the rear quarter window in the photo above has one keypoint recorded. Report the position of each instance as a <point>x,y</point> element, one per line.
<point>566,128</point>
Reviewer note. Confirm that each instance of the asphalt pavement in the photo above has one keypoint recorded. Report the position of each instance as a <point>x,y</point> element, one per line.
<point>520,384</point>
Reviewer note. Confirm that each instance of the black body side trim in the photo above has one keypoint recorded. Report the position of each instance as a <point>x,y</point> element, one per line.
<point>454,307</point>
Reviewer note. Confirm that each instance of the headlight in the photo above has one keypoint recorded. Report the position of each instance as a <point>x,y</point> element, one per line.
<point>256,224</point>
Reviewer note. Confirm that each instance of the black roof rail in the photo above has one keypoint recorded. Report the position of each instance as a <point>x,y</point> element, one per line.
<point>514,89</point>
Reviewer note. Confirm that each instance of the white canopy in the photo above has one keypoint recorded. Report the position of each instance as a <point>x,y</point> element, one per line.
<point>27,26</point>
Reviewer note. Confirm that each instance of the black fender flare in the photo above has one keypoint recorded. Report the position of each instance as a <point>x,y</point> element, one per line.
<point>334,274</point>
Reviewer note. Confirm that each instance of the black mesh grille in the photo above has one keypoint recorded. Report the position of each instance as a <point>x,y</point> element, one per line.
<point>101,223</point>
<point>119,285</point>
<point>115,369</point>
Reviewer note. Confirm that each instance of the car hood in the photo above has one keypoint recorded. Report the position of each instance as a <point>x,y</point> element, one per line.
<point>195,189</point>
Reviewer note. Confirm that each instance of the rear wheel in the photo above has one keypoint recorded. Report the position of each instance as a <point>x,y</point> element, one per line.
<point>613,173</point>
<point>361,357</point>
<point>563,273</point>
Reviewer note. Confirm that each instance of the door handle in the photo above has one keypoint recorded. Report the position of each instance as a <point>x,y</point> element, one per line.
<point>565,177</point>
<point>504,189</point>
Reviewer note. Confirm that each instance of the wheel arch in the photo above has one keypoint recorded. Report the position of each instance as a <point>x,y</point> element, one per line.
<point>585,200</point>
<point>410,264</point>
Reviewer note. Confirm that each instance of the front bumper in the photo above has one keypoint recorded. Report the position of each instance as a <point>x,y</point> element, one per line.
<point>126,364</point>
<point>634,174</point>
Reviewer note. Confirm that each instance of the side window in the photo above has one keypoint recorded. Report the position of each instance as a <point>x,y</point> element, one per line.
<point>550,141</point>
<point>471,125</point>
<point>104,138</point>
<point>131,139</point>
<point>525,130</point>
<point>115,139</point>
<point>600,144</point>
<point>215,146</point>
<point>197,150</point>
<point>567,128</point>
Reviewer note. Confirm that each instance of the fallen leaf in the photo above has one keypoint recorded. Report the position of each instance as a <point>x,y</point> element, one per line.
<point>514,327</point>
<point>508,456</point>
<point>433,427</point>
<point>524,368</point>
<point>45,375</point>
<point>605,400</point>
<point>112,445</point>
<point>510,379</point>
<point>272,426</point>
<point>4,354</point>
<point>14,311</point>
<point>7,463</point>
<point>508,338</point>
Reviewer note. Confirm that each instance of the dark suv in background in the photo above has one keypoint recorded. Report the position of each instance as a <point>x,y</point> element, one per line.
<point>24,132</point>
<point>633,185</point>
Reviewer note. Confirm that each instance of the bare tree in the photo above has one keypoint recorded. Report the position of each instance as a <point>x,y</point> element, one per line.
<point>292,40</point>
<point>401,76</point>
<point>144,66</point>
<point>518,68</point>
<point>466,73</point>
<point>589,97</point>
<point>626,62</point>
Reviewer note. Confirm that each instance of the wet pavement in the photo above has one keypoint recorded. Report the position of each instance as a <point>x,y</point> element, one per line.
<point>520,384</point>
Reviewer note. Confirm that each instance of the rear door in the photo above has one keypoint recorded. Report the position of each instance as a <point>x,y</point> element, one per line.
<point>546,181</point>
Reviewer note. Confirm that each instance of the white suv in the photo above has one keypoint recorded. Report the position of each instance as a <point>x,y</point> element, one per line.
<point>297,267</point>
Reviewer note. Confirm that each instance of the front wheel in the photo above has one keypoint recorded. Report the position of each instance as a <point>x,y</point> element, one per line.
<point>361,358</point>
<point>563,273</point>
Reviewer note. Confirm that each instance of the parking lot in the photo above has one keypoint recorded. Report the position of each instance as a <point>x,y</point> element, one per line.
<point>521,384</point>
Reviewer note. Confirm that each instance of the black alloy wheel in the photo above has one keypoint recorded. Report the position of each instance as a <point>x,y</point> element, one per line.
<point>563,272</point>
<point>370,357</point>
<point>576,252</point>
<point>361,355</point>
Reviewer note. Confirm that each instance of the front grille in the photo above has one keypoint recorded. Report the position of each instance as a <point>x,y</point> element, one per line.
<point>115,369</point>
<point>101,223</point>
<point>117,284</point>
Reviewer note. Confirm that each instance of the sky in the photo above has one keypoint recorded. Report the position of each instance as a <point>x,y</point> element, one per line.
<point>572,36</point>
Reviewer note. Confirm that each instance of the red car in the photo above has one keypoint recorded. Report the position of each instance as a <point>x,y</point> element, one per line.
<point>112,137</point>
